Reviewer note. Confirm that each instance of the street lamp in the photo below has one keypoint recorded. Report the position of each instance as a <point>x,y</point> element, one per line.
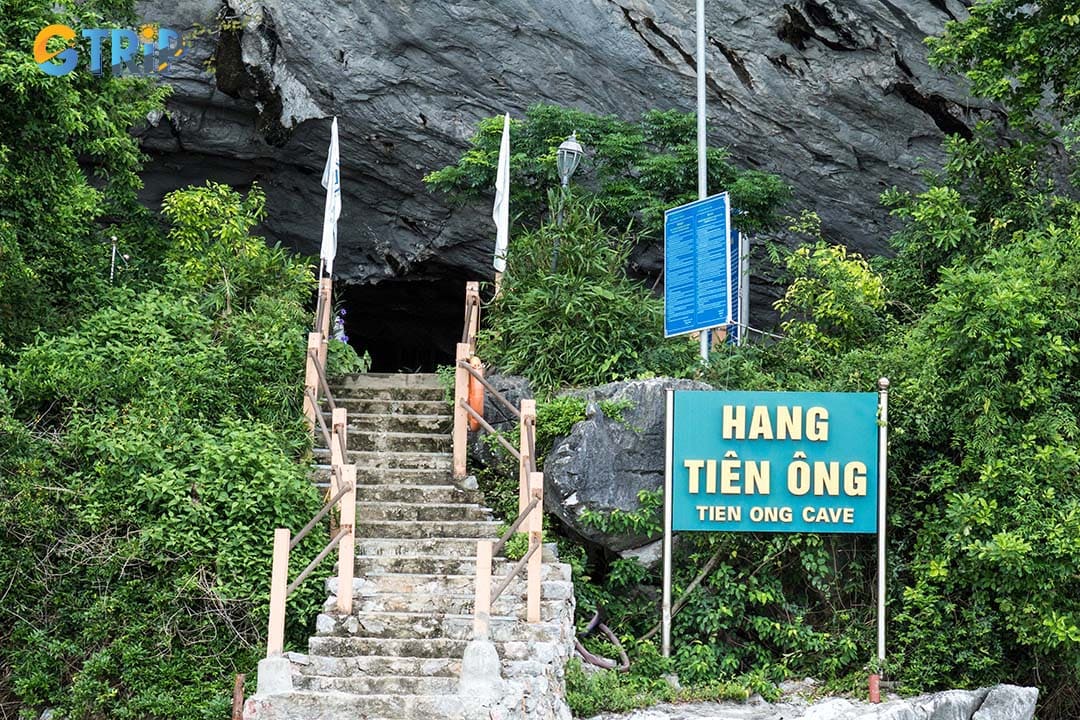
<point>566,161</point>
<point>569,156</point>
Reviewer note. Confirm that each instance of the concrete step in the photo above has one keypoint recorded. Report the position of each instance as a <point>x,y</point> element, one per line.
<point>312,705</point>
<point>395,477</point>
<point>509,604</point>
<point>345,394</point>
<point>391,422</point>
<point>379,684</point>
<point>555,583</point>
<point>464,529</point>
<point>399,406</point>
<point>385,380</point>
<point>551,574</point>
<point>439,494</point>
<point>392,564</point>
<point>327,649</point>
<point>367,512</point>
<point>375,665</point>
<point>431,626</point>
<point>437,548</point>
<point>382,441</point>
<point>371,461</point>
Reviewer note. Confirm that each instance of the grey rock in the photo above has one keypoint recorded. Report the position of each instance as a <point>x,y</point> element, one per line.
<point>649,555</point>
<point>837,97</point>
<point>515,389</point>
<point>603,464</point>
<point>1008,702</point>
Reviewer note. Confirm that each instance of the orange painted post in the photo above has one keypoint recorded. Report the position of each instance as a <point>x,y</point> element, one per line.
<point>536,539</point>
<point>338,437</point>
<point>345,547</point>
<point>311,380</point>
<point>472,297</point>
<point>325,285</point>
<point>528,422</point>
<point>482,605</point>
<point>279,581</point>
<point>461,417</point>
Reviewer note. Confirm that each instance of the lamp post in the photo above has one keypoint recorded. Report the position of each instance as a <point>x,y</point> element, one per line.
<point>566,161</point>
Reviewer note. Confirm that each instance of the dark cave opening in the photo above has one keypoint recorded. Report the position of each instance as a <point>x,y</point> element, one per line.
<point>408,325</point>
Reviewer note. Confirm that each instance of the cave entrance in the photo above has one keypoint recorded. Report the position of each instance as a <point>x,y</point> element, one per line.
<point>407,325</point>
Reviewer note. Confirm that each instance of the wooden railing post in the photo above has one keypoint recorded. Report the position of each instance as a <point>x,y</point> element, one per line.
<point>326,308</point>
<point>536,539</point>
<point>311,380</point>
<point>472,299</point>
<point>527,425</point>
<point>279,581</point>
<point>482,605</point>
<point>338,437</point>
<point>461,418</point>
<point>345,547</point>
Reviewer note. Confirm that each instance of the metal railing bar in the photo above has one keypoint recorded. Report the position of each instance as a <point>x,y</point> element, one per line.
<point>318,559</point>
<point>319,416</point>
<point>530,436</point>
<point>513,573</point>
<point>343,445</point>
<point>322,381</point>
<point>484,424</point>
<point>319,516</point>
<point>513,528</point>
<point>498,395</point>
<point>469,303</point>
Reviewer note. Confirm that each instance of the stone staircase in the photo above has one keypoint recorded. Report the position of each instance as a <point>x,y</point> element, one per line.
<point>399,653</point>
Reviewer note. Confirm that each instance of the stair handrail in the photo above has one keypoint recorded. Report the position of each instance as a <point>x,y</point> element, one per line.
<point>530,481</point>
<point>342,492</point>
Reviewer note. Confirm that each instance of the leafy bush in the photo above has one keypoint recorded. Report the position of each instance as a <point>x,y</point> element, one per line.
<point>146,456</point>
<point>585,324</point>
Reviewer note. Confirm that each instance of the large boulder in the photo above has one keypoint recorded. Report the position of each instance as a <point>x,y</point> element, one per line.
<point>604,463</point>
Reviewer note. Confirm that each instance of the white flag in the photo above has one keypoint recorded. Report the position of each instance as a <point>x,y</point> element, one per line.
<point>331,180</point>
<point>501,212</point>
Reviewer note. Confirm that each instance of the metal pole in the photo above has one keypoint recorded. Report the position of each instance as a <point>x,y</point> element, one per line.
<point>744,285</point>
<point>883,459</point>
<point>665,618</point>
<point>559,222</point>
<point>112,261</point>
<point>702,166</point>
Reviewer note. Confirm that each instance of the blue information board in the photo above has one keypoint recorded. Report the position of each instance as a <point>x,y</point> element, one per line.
<point>774,462</point>
<point>699,263</point>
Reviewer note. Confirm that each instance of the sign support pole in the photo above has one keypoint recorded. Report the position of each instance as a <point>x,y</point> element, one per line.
<point>665,618</point>
<point>702,165</point>
<point>883,459</point>
<point>744,286</point>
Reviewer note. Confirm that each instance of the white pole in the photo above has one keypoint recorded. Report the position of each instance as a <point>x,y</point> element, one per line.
<point>883,459</point>
<point>702,167</point>
<point>665,618</point>
<point>744,285</point>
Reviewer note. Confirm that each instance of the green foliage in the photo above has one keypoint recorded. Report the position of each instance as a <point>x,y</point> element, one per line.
<point>214,254</point>
<point>635,171</point>
<point>1018,53</point>
<point>342,359</point>
<point>834,303</point>
<point>68,174</point>
<point>587,323</point>
<point>146,455</point>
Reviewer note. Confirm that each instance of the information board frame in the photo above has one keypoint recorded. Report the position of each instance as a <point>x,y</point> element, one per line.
<point>686,259</point>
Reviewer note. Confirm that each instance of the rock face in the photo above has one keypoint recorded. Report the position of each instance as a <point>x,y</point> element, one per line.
<point>835,96</point>
<point>1001,702</point>
<point>604,463</point>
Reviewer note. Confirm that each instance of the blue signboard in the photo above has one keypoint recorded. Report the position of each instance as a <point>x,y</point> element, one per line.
<point>699,261</point>
<point>774,462</point>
